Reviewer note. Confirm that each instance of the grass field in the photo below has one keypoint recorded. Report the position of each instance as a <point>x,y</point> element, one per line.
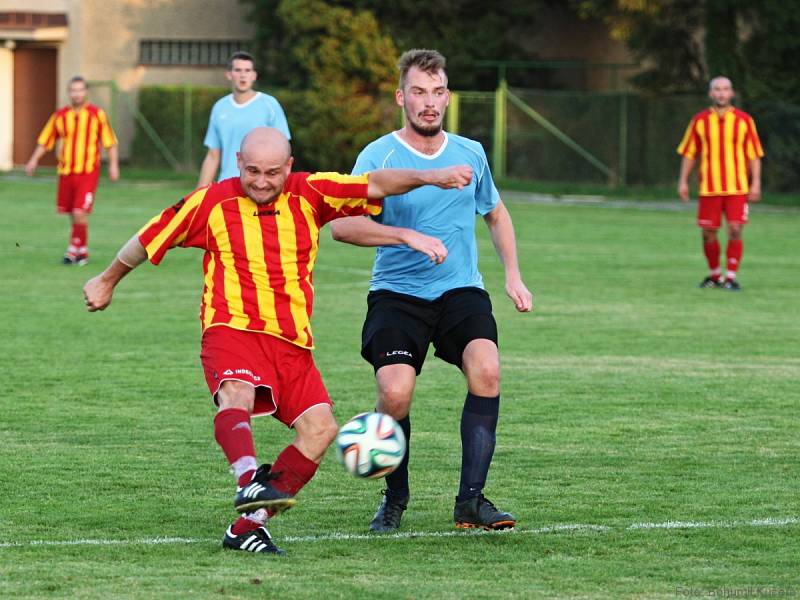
<point>648,439</point>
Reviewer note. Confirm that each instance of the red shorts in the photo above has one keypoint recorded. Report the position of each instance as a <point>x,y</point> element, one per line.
<point>76,192</point>
<point>285,377</point>
<point>710,209</point>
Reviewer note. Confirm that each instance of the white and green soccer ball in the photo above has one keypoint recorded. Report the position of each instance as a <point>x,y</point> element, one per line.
<point>370,445</point>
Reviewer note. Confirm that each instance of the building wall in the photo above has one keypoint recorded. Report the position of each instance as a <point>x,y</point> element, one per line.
<point>101,43</point>
<point>6,108</point>
<point>107,35</point>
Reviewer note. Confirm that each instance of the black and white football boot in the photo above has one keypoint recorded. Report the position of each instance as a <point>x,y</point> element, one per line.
<point>260,493</point>
<point>257,540</point>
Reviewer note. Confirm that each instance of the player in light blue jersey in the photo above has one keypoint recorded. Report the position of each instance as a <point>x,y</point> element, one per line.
<point>426,286</point>
<point>234,116</point>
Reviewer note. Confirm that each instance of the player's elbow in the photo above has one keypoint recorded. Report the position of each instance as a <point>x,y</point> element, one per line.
<point>343,230</point>
<point>339,231</point>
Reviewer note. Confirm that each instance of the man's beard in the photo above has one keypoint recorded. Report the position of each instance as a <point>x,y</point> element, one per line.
<point>429,131</point>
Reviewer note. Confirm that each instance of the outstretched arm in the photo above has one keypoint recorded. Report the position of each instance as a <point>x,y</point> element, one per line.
<point>363,231</point>
<point>502,231</point>
<point>99,290</point>
<point>391,182</point>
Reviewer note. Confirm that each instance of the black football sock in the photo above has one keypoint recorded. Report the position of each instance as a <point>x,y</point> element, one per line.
<point>397,480</point>
<point>478,426</point>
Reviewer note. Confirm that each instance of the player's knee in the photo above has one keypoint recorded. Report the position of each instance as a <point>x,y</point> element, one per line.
<point>483,377</point>
<point>394,399</point>
<point>236,394</point>
<point>317,434</point>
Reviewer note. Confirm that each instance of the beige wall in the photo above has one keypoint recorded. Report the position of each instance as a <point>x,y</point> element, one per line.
<point>101,42</point>
<point>6,108</point>
<point>53,6</point>
<point>97,55</point>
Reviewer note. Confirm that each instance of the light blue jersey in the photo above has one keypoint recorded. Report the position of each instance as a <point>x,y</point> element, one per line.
<point>446,214</point>
<point>230,122</point>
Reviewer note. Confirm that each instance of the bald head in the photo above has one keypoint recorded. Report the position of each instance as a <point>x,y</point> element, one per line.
<point>266,143</point>
<point>265,161</point>
<point>720,81</point>
<point>720,90</point>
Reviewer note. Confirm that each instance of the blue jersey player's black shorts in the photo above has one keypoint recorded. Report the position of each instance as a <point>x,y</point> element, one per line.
<point>399,328</point>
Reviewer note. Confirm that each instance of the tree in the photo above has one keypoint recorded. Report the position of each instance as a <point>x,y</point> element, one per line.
<point>683,43</point>
<point>339,69</point>
<point>661,34</point>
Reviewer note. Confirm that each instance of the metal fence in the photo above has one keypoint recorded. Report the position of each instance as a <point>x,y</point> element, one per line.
<point>613,137</point>
<point>617,138</point>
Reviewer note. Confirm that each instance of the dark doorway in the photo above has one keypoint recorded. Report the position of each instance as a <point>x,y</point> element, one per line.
<point>35,75</point>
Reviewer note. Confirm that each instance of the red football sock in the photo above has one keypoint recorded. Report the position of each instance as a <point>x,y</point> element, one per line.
<point>233,434</point>
<point>293,470</point>
<point>249,521</point>
<point>734,254</point>
<point>711,250</point>
<point>80,235</point>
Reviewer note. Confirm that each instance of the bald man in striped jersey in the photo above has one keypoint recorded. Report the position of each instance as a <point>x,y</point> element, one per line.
<point>82,128</point>
<point>260,234</point>
<point>725,143</point>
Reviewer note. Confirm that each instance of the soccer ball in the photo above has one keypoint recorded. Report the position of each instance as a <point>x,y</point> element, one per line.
<point>370,445</point>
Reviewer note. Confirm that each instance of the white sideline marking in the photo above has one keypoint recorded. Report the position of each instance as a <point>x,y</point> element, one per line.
<point>716,524</point>
<point>566,527</point>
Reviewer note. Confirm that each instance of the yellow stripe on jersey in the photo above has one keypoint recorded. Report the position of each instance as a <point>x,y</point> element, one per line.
<point>82,126</point>
<point>287,240</point>
<point>107,136</point>
<point>233,287</point>
<point>742,182</point>
<point>167,232</point>
<point>69,140</point>
<point>91,146</point>
<point>338,202</point>
<point>254,245</point>
<point>208,306</point>
<point>701,132</point>
<point>687,147</point>
<point>713,150</point>
<point>47,137</point>
<point>730,151</point>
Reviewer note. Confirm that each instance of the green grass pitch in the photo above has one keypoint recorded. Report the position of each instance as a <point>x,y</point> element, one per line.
<point>648,439</point>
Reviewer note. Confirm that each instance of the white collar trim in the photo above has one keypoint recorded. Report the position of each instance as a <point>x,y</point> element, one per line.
<point>246,104</point>
<point>420,154</point>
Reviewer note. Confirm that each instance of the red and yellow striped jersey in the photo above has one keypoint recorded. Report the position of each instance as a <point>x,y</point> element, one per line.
<point>81,132</point>
<point>259,258</point>
<point>726,144</point>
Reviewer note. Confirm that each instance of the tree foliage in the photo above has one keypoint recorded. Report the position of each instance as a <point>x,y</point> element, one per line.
<point>683,43</point>
<point>465,31</point>
<point>339,69</point>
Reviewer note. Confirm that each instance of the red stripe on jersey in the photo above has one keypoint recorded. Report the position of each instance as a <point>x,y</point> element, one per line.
<point>737,139</point>
<point>277,278</point>
<point>706,153</point>
<point>247,286</point>
<point>222,314</point>
<point>723,175</point>
<point>74,135</point>
<point>304,241</point>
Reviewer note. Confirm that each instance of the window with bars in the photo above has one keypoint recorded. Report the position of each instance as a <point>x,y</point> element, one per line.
<point>201,53</point>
